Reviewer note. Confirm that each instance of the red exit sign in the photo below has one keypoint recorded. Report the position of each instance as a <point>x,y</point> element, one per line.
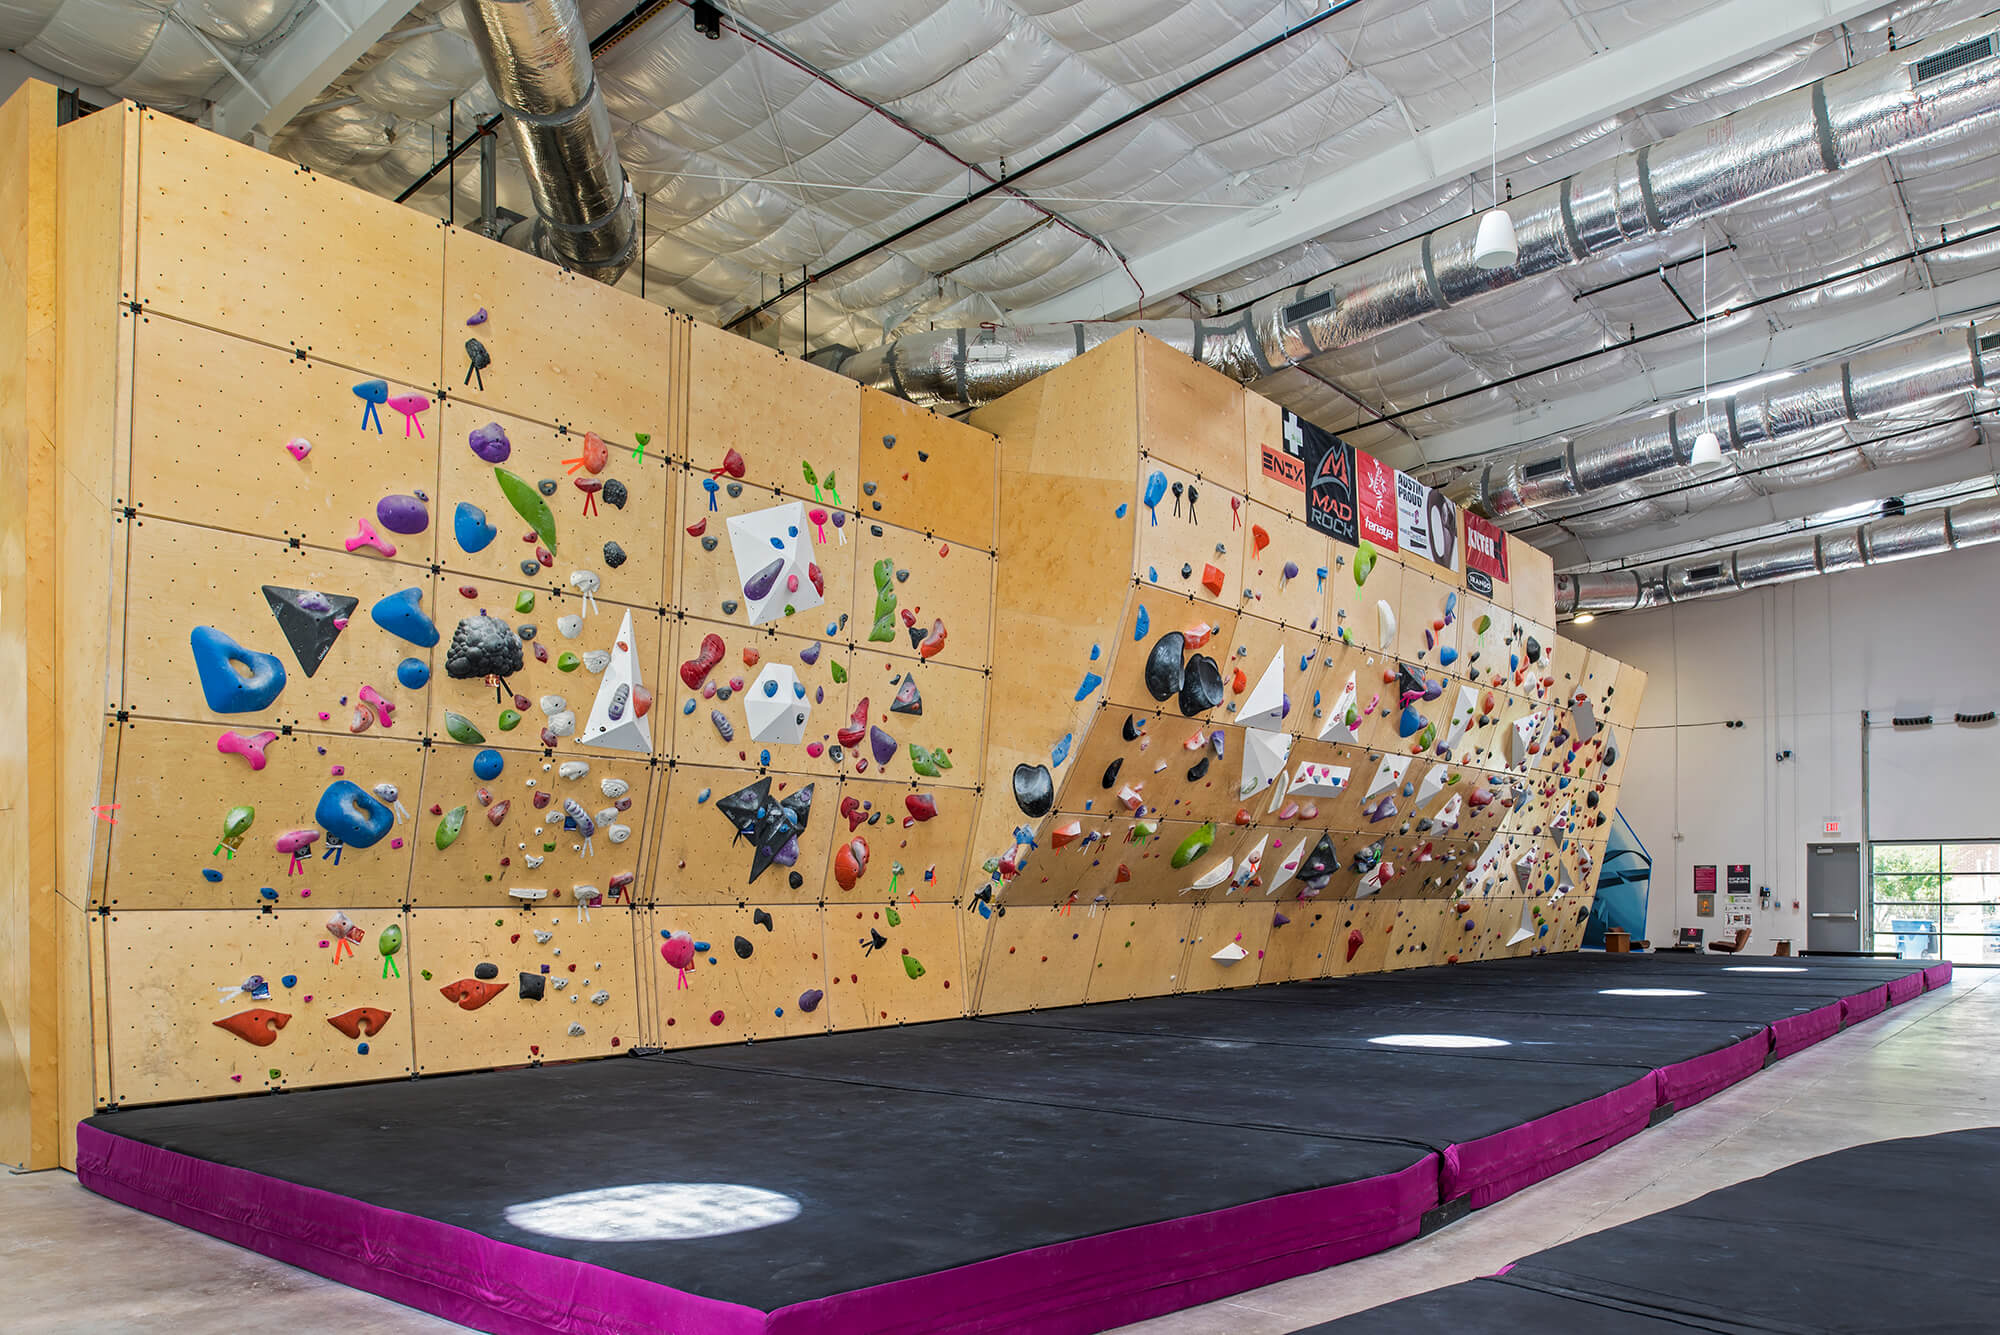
<point>1831,827</point>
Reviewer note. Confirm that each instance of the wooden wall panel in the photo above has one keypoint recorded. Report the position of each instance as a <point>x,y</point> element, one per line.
<point>1140,950</point>
<point>952,493</point>
<point>776,412</point>
<point>707,567</point>
<point>1190,539</point>
<point>869,986</point>
<point>758,996</point>
<point>701,860</point>
<point>170,968</point>
<point>1192,417</point>
<point>694,737</point>
<point>1218,925</point>
<point>1039,958</point>
<point>1298,949</point>
<point>933,581</point>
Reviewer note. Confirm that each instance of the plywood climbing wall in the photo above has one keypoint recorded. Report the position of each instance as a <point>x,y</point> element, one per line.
<point>502,670</point>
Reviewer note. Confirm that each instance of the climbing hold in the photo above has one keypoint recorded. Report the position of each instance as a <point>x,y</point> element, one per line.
<point>402,615</point>
<point>912,967</point>
<point>1201,686</point>
<point>1365,557</point>
<point>1034,790</point>
<point>477,359</point>
<point>850,862</point>
<point>403,514</point>
<point>351,814</point>
<point>1385,617</point>
<point>311,621</point>
<point>1164,671</point>
<point>449,828</point>
<point>461,729</point>
<point>298,447</point>
<point>695,670</point>
<point>743,948</point>
<point>1194,845</point>
<point>528,503</point>
<point>226,690</point>
<point>481,646</point>
<point>809,1000</point>
<point>921,806</point>
<point>250,748</point>
<point>373,394</point>
<point>487,765</point>
<point>413,673</point>
<point>361,1020</point>
<point>258,1027</point>
<point>1211,579</point>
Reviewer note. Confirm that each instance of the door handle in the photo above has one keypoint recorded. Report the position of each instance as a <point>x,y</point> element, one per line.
<point>1840,917</point>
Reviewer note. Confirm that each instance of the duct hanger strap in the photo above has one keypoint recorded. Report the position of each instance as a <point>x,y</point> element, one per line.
<point>562,117</point>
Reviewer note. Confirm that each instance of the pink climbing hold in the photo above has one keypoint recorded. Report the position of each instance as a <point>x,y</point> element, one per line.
<point>251,748</point>
<point>411,406</point>
<point>368,537</point>
<point>298,447</point>
<point>385,710</point>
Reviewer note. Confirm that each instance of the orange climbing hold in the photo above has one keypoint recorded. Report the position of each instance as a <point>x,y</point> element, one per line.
<point>1211,579</point>
<point>1238,683</point>
<point>362,1020</point>
<point>258,1027</point>
<point>1259,539</point>
<point>469,994</point>
<point>1124,875</point>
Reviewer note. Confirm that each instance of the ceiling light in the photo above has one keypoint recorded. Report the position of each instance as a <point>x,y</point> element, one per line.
<point>1496,248</point>
<point>707,20</point>
<point>1583,619</point>
<point>1707,449</point>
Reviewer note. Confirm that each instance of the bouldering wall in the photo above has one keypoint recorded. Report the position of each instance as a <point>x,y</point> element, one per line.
<point>498,669</point>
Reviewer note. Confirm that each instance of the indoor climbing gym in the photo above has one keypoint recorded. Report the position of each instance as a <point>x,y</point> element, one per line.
<point>999,667</point>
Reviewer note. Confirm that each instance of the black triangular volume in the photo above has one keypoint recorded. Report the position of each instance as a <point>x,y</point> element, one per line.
<point>311,621</point>
<point>908,700</point>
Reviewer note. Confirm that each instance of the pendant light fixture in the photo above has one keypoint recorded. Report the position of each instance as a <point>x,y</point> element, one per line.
<point>1496,247</point>
<point>1707,445</point>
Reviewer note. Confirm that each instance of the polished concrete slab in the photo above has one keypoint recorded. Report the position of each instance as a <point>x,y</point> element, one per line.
<point>71,1261</point>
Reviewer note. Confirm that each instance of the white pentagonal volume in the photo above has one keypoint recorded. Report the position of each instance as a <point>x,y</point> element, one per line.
<point>776,707</point>
<point>773,561</point>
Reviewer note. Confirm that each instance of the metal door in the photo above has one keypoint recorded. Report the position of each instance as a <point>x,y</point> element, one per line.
<point>1833,897</point>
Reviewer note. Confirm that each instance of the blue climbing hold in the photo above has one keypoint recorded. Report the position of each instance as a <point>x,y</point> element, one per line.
<point>688,706</point>
<point>1121,509</point>
<point>1091,681</point>
<point>1411,723</point>
<point>210,874</point>
<point>413,673</point>
<point>268,893</point>
<point>1095,652</point>
<point>290,980</point>
<point>361,1048</point>
<point>402,615</point>
<point>226,690</point>
<point>1061,753</point>
<point>373,394</point>
<point>1156,488</point>
<point>764,756</point>
<point>702,796</point>
<point>488,764</point>
<point>350,813</point>
<point>1447,656</point>
<point>1141,625</point>
<point>770,688</point>
<point>471,527</point>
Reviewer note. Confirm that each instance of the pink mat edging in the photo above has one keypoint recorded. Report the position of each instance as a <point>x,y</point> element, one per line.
<point>1498,1165</point>
<point>1795,1033</point>
<point>1687,1083</point>
<point>1937,975</point>
<point>1903,989</point>
<point>1864,1005</point>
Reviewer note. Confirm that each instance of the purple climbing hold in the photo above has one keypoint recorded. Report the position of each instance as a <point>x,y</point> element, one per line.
<point>809,655</point>
<point>490,443</point>
<point>882,744</point>
<point>403,514</point>
<point>760,584</point>
<point>809,999</point>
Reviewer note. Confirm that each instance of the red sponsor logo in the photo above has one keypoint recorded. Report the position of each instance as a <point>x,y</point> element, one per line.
<point>1375,500</point>
<point>1284,468</point>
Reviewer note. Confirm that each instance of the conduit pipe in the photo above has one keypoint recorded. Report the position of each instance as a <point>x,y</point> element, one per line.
<point>537,60</point>
<point>1947,83</point>
<point>1780,560</point>
<point>1894,378</point>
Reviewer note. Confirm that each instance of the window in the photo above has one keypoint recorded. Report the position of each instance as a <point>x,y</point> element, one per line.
<point>1937,901</point>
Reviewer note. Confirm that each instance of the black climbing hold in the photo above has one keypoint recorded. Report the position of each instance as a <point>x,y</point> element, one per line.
<point>868,488</point>
<point>527,630</point>
<point>615,493</point>
<point>485,971</point>
<point>836,753</point>
<point>546,486</point>
<point>875,530</point>
<point>310,620</point>
<point>902,576</point>
<point>531,568</point>
<point>743,947</point>
<point>1201,686</point>
<point>482,646</point>
<point>908,700</point>
<point>614,555</point>
<point>1322,862</point>
<point>888,442</point>
<point>1534,649</point>
<point>917,634</point>
<point>923,456</point>
<point>708,543</point>
<point>875,940</point>
<point>1187,570</point>
<point>1111,772</point>
<point>1131,730</point>
<point>531,986</point>
<point>795,880</point>
<point>734,489</point>
<point>729,607</point>
<point>1198,771</point>
<point>1164,672</point>
<point>1034,790</point>
<point>762,919</point>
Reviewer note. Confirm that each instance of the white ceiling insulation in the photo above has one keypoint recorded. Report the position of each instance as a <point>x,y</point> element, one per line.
<point>813,130</point>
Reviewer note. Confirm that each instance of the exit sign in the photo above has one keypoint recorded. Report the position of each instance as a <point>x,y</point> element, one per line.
<point>1831,827</point>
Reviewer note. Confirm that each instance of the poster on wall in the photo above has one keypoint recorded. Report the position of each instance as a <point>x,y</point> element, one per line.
<point>1739,878</point>
<point>1485,554</point>
<point>1704,880</point>
<point>1321,465</point>
<point>1375,500</point>
<point>1427,522</point>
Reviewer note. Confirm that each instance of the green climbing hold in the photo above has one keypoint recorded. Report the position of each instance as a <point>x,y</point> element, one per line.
<point>895,918</point>
<point>912,967</point>
<point>939,758</point>
<point>920,761</point>
<point>510,719</point>
<point>567,662</point>
<point>390,942</point>
<point>524,602</point>
<point>1365,557</point>
<point>528,503</point>
<point>237,823</point>
<point>461,729</point>
<point>449,827</point>
<point>885,602</point>
<point>1428,737</point>
<point>839,673</point>
<point>1194,845</point>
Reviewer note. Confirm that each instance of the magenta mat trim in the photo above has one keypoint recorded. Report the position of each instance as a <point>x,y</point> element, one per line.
<point>1093,1284</point>
<point>1687,1083</point>
<point>1501,1164</point>
<point>448,1271</point>
<point>1068,1288</point>
<point>1937,975</point>
<point>1864,1005</point>
<point>1795,1033</point>
<point>1904,988</point>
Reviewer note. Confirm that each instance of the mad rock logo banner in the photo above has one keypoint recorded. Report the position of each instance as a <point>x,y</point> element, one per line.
<point>1321,465</point>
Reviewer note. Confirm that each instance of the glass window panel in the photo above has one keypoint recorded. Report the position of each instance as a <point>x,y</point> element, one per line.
<point>1971,857</point>
<point>1917,889</point>
<point>1908,858</point>
<point>1981,949</point>
<point>1911,930</point>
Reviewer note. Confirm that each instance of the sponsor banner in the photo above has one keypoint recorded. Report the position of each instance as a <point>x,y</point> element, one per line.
<point>1323,466</point>
<point>1485,551</point>
<point>1427,522</point>
<point>1375,500</point>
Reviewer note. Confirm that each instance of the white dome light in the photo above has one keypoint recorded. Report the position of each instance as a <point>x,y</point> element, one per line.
<point>654,1212</point>
<point>1496,247</point>
<point>1707,449</point>
<point>1648,992</point>
<point>1439,1041</point>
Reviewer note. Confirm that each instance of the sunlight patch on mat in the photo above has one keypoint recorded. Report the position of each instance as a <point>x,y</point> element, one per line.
<point>1648,992</point>
<point>1765,968</point>
<point>654,1212</point>
<point>1439,1041</point>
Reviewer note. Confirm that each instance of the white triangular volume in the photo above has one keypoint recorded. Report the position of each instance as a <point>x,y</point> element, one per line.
<point>1520,738</point>
<point>1373,881</point>
<point>1288,866</point>
<point>1264,756</point>
<point>777,707</point>
<point>1316,780</point>
<point>1583,720</point>
<point>1214,876</point>
<point>1385,615</point>
<point>1246,870</point>
<point>763,537</point>
<point>1432,785</point>
<point>1280,788</point>
<point>1337,716</point>
<point>1229,954</point>
<point>615,722</point>
<point>1387,775</point>
<point>1264,707</point>
<point>1462,715</point>
<point>1528,925</point>
<point>1447,817</point>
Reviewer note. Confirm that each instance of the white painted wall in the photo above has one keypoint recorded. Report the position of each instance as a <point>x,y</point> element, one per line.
<point>1798,663</point>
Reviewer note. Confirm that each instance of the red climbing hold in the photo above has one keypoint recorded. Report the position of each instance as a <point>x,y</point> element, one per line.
<point>921,806</point>
<point>1259,539</point>
<point>696,669</point>
<point>699,527</point>
<point>1353,943</point>
<point>469,994</point>
<point>932,644</point>
<point>361,1020</point>
<point>1238,683</point>
<point>1211,579</point>
<point>732,464</point>
<point>857,726</point>
<point>1124,875</point>
<point>850,862</point>
<point>259,1026</point>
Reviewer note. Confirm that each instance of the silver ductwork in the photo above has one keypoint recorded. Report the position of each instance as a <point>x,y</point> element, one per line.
<point>537,59</point>
<point>1780,560</point>
<point>1945,84</point>
<point>1894,378</point>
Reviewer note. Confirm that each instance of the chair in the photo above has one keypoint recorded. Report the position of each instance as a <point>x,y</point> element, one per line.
<point>1732,947</point>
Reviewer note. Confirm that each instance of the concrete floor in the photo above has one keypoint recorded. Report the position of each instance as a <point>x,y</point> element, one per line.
<point>73,1262</point>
